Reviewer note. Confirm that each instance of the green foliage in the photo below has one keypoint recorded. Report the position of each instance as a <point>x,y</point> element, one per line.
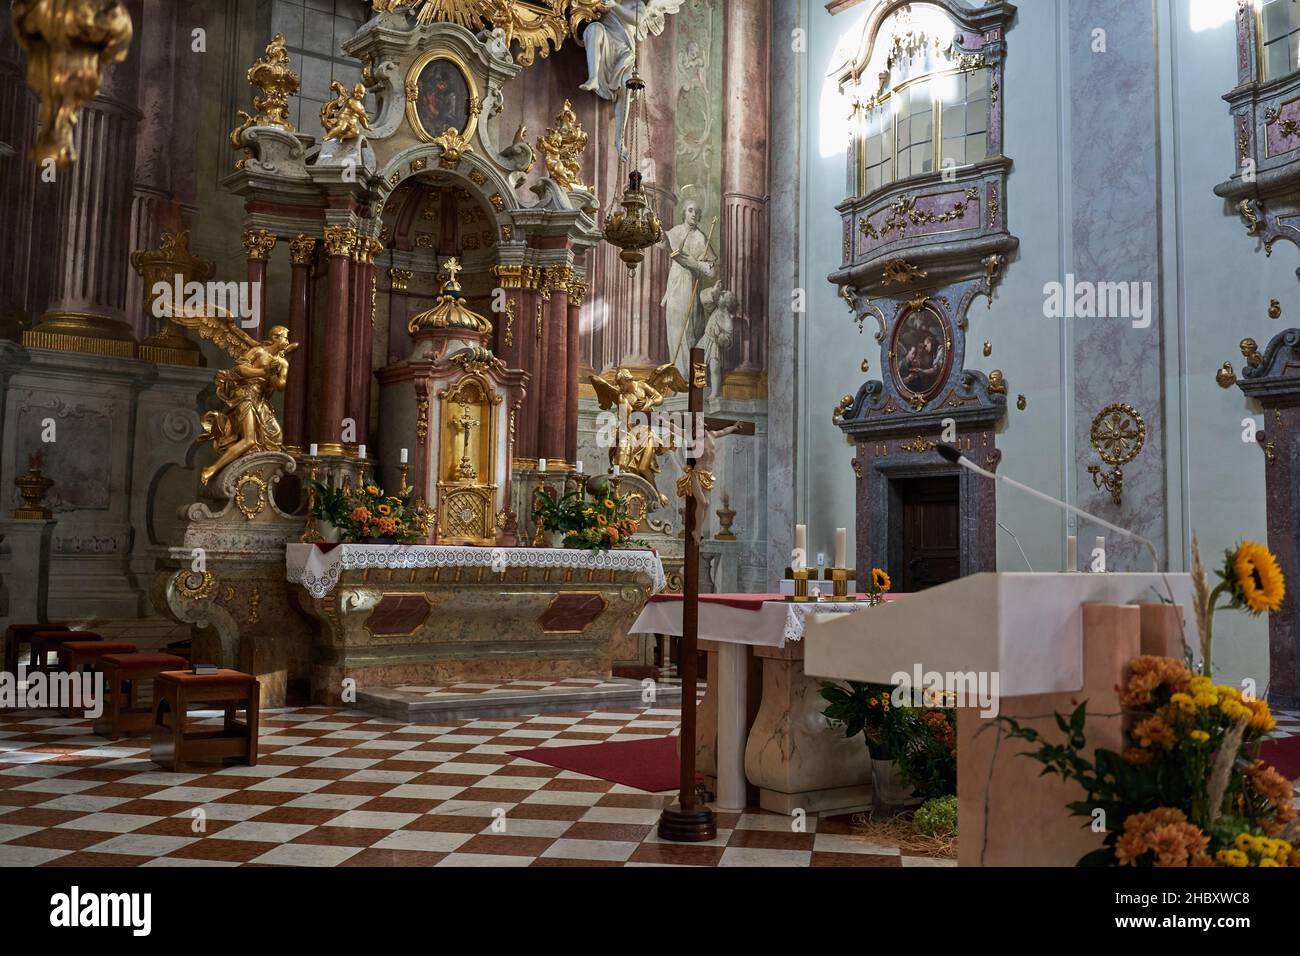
<point>937,817</point>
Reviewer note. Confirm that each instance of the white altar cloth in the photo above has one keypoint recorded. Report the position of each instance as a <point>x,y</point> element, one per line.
<point>318,570</point>
<point>770,624</point>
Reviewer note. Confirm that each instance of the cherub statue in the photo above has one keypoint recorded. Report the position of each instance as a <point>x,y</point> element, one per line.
<point>248,422</point>
<point>562,148</point>
<point>611,49</point>
<point>719,332</point>
<point>344,117</point>
<point>637,445</point>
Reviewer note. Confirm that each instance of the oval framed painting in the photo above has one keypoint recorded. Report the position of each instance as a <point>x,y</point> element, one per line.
<point>920,353</point>
<point>441,94</point>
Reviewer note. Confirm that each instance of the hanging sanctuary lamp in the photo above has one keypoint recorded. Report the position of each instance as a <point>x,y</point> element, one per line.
<point>633,227</point>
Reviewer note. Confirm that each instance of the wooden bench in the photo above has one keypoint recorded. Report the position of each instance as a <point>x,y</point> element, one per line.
<point>78,656</point>
<point>45,643</point>
<point>175,747</point>
<point>125,677</point>
<point>16,635</point>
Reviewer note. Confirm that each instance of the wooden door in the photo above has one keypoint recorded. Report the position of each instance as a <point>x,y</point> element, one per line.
<point>931,543</point>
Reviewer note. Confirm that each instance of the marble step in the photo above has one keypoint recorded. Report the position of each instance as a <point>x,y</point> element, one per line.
<point>474,700</point>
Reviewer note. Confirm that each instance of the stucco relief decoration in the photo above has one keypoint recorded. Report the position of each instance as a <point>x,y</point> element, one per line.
<point>539,27</point>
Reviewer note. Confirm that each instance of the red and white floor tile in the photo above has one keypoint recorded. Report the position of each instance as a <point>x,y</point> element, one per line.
<point>341,788</point>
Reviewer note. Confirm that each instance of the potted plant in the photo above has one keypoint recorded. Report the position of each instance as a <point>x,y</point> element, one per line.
<point>330,509</point>
<point>590,524</point>
<point>557,515</point>
<point>911,753</point>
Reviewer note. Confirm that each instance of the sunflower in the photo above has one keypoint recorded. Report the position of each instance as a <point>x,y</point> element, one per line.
<point>384,510</point>
<point>879,580</point>
<point>602,520</point>
<point>1255,578</point>
<point>609,504</point>
<point>372,489</point>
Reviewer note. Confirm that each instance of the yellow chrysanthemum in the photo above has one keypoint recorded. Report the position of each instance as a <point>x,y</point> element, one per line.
<point>1199,736</point>
<point>879,580</point>
<point>1258,579</point>
<point>1201,684</point>
<point>1231,858</point>
<point>1183,702</point>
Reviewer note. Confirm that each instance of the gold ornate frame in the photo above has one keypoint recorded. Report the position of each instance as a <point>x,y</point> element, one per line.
<point>908,394</point>
<point>475,105</point>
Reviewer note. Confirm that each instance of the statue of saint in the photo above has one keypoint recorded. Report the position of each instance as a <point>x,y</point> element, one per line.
<point>693,262</point>
<point>719,332</point>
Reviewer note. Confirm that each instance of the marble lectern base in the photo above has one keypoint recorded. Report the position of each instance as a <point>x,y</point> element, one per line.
<point>1009,815</point>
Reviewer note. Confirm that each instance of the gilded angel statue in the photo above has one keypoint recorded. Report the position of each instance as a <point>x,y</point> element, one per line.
<point>248,422</point>
<point>344,117</point>
<point>637,445</point>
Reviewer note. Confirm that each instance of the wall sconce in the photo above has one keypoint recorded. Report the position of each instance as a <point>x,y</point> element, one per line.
<point>1118,433</point>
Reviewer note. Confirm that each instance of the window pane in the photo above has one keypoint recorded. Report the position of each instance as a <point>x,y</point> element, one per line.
<point>887,171</point>
<point>976,83</point>
<point>922,161</point>
<point>976,147</point>
<point>1277,18</point>
<point>873,149</point>
<point>954,120</point>
<point>920,99</point>
<point>954,150</point>
<point>873,178</point>
<point>921,127</point>
<point>1278,59</point>
<point>977,116</point>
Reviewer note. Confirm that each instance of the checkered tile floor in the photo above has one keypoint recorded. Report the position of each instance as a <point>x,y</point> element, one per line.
<point>341,788</point>
<point>513,687</point>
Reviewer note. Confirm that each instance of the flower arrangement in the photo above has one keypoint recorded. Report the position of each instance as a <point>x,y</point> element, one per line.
<point>368,514</point>
<point>923,740</point>
<point>1250,579</point>
<point>591,524</point>
<point>1187,790</point>
<point>879,586</point>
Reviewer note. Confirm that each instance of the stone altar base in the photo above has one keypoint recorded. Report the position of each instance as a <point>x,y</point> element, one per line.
<point>431,705</point>
<point>388,627</point>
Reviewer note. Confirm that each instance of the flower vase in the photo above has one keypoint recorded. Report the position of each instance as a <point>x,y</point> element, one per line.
<point>329,532</point>
<point>890,795</point>
<point>555,539</point>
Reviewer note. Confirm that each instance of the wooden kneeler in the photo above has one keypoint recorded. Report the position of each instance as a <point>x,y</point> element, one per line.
<point>175,747</point>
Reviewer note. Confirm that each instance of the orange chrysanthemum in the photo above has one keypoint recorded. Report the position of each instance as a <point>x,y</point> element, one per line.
<point>1166,833</point>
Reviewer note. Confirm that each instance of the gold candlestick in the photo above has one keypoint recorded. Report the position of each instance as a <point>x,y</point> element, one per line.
<point>403,470</point>
<point>539,533</point>
<point>310,531</point>
<point>801,579</point>
<point>840,578</point>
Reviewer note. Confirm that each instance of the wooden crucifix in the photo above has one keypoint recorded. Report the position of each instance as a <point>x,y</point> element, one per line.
<point>687,821</point>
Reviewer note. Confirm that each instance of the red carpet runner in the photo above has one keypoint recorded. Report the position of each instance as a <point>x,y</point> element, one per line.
<point>1283,755</point>
<point>649,764</point>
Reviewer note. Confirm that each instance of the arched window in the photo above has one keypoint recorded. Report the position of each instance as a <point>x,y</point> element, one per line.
<point>1278,30</point>
<point>923,103</point>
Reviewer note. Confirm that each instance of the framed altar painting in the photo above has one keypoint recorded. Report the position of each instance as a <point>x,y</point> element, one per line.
<point>920,356</point>
<point>441,94</point>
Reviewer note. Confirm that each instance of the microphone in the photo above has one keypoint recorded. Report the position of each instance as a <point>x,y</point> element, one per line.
<point>950,454</point>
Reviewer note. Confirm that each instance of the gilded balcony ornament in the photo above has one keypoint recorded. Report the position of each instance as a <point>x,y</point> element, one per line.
<point>562,148</point>
<point>902,271</point>
<point>842,408</point>
<point>1246,209</point>
<point>345,116</point>
<point>68,44</point>
<point>997,382</point>
<point>247,423</point>
<point>272,76</point>
<point>1274,309</point>
<point>1225,376</point>
<point>539,26</point>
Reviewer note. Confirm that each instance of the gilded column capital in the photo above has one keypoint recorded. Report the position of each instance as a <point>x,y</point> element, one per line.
<point>373,248</point>
<point>339,240</point>
<point>258,243</point>
<point>301,248</point>
<point>399,278</point>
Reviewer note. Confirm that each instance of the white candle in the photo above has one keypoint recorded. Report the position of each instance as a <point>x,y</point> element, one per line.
<point>578,465</point>
<point>801,537</point>
<point>405,456</point>
<point>841,540</point>
<point>1072,553</point>
<point>541,464</point>
<point>314,450</point>
<point>361,451</point>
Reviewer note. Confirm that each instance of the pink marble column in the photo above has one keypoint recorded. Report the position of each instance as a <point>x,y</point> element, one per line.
<point>554,368</point>
<point>258,244</point>
<point>571,378</point>
<point>301,251</point>
<point>744,175</point>
<point>334,348</point>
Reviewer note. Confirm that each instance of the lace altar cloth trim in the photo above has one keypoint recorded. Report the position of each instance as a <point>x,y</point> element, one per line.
<point>318,571</point>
